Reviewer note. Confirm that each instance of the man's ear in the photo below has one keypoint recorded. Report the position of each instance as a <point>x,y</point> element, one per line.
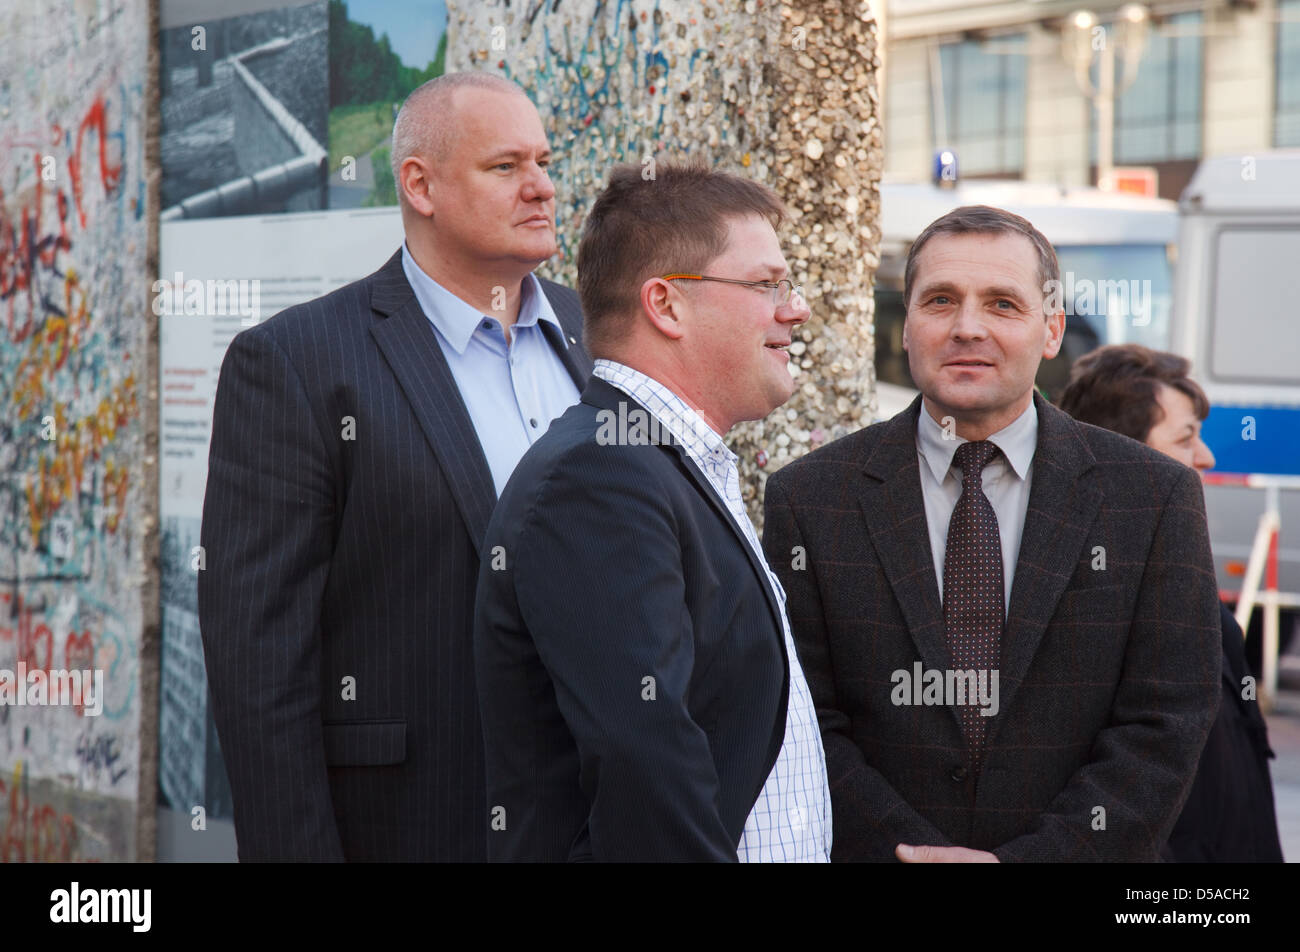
<point>664,307</point>
<point>1055,334</point>
<point>905,326</point>
<point>417,184</point>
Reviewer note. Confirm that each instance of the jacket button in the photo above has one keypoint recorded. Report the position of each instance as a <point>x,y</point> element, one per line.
<point>958,773</point>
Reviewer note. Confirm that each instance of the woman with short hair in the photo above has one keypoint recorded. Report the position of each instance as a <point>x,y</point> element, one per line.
<point>1229,815</point>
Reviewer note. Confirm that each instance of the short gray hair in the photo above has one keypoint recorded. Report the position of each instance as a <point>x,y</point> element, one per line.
<point>421,128</point>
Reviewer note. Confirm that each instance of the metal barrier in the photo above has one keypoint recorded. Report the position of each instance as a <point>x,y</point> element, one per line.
<point>1262,567</point>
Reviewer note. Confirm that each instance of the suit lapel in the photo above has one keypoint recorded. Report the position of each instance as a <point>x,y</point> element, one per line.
<point>1063,505</point>
<point>564,302</point>
<point>409,344</point>
<point>604,395</point>
<point>894,511</point>
<point>705,487</point>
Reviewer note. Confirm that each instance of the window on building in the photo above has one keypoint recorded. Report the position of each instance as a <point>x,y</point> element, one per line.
<point>1158,118</point>
<point>984,104</point>
<point>1286,128</point>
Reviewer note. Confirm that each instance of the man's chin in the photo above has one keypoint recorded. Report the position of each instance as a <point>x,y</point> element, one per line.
<point>970,403</point>
<point>780,394</point>
<point>536,252</point>
<point>761,410</point>
<point>959,403</point>
<point>531,258</point>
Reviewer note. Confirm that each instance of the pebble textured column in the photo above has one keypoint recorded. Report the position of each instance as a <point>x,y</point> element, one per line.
<point>782,92</point>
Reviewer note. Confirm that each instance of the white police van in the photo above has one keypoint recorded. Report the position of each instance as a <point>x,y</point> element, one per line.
<point>1237,301</point>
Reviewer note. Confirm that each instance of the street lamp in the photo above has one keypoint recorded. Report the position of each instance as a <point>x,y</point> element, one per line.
<point>1083,38</point>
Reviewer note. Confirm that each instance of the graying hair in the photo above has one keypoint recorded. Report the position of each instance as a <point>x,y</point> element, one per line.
<point>420,128</point>
<point>983,220</point>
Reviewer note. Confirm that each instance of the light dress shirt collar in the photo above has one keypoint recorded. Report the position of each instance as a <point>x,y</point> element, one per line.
<point>1017,441</point>
<point>457,320</point>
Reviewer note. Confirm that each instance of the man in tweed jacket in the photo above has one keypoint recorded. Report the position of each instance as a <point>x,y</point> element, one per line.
<point>1108,669</point>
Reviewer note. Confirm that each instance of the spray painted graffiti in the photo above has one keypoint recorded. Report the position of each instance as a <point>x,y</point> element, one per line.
<point>783,93</point>
<point>621,81</point>
<point>33,832</point>
<point>74,333</point>
<point>57,357</point>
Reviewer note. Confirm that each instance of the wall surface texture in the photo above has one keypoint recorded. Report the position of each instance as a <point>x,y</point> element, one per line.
<point>77,583</point>
<point>784,93</point>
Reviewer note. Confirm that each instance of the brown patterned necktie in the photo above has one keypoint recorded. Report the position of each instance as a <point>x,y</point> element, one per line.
<point>973,610</point>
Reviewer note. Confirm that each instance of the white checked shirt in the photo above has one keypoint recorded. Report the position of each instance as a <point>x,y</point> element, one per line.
<point>791,821</point>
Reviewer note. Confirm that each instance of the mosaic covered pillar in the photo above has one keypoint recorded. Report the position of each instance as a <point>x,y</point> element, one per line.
<point>782,92</point>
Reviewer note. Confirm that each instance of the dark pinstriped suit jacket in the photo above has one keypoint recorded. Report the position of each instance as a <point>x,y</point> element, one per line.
<point>331,558</point>
<point>1109,676</point>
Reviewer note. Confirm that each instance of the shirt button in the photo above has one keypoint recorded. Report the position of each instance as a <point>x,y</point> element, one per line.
<point>533,422</point>
<point>958,773</point>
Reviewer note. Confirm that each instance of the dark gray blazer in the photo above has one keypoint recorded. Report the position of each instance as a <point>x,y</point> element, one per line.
<point>1108,680</point>
<point>620,564</point>
<point>331,558</point>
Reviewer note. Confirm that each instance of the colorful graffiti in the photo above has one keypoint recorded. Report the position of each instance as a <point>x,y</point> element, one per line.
<point>783,93</point>
<point>33,832</point>
<point>623,81</point>
<point>74,337</point>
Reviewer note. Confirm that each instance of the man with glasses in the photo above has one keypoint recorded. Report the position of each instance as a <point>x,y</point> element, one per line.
<point>640,691</point>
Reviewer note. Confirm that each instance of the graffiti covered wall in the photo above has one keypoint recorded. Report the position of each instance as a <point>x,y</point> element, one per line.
<point>76,450</point>
<point>782,92</point>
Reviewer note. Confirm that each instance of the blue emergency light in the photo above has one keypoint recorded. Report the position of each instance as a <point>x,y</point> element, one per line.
<point>945,168</point>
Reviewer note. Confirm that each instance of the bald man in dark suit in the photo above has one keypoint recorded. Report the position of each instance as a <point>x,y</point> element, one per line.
<point>359,443</point>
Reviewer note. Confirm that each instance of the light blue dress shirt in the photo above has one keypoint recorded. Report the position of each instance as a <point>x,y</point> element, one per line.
<point>512,391</point>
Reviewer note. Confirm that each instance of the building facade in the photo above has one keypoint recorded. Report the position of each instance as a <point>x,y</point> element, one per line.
<point>993,81</point>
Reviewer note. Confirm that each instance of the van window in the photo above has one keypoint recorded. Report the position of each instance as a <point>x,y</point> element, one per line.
<point>1112,294</point>
<point>1254,335</point>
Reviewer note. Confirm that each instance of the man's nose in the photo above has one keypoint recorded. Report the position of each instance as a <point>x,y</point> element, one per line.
<point>795,311</point>
<point>538,187</point>
<point>969,322</point>
<point>1203,458</point>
